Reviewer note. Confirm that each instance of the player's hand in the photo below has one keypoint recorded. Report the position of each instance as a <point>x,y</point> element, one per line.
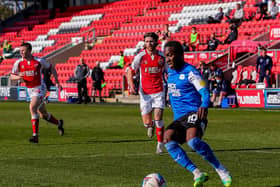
<point>21,74</point>
<point>59,86</point>
<point>202,113</point>
<point>267,72</point>
<point>132,89</point>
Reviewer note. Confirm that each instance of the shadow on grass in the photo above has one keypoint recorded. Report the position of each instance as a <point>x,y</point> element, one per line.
<point>249,149</point>
<point>95,142</point>
<point>116,141</point>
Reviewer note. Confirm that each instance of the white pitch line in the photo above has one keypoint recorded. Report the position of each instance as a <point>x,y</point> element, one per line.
<point>123,155</point>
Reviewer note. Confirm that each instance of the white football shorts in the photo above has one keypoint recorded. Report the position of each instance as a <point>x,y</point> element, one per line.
<point>151,101</point>
<point>38,91</point>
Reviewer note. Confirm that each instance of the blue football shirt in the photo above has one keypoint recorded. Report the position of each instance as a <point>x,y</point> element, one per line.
<point>187,90</point>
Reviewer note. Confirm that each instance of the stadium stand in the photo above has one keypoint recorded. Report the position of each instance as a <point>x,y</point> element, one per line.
<point>119,26</point>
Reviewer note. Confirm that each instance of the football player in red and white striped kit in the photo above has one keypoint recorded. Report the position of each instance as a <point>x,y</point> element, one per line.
<point>151,65</point>
<point>29,70</point>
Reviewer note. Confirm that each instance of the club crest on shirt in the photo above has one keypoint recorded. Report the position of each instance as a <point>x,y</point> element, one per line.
<point>145,62</point>
<point>161,62</point>
<point>22,66</point>
<point>182,76</point>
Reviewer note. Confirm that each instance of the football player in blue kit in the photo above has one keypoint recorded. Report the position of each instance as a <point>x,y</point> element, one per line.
<point>189,99</point>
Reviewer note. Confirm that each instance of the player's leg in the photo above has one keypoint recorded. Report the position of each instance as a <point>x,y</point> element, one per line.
<point>146,112</point>
<point>33,106</point>
<point>221,97</point>
<point>158,105</point>
<point>93,93</point>
<point>148,123</point>
<point>100,94</point>
<point>79,84</point>
<point>85,91</point>
<point>50,118</point>
<point>194,141</point>
<point>174,135</point>
<point>158,122</point>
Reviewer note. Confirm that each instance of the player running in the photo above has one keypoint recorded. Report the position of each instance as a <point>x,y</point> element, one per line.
<point>151,64</point>
<point>189,99</point>
<point>29,70</point>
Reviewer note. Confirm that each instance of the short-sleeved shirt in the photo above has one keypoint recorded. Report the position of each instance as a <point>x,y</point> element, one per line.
<point>152,68</point>
<point>183,89</point>
<point>32,70</point>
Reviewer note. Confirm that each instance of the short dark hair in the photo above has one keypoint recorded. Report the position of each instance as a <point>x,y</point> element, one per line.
<point>27,45</point>
<point>178,48</point>
<point>152,35</point>
<point>263,49</point>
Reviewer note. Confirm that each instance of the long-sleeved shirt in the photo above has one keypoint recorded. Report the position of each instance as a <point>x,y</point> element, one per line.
<point>81,72</point>
<point>264,63</point>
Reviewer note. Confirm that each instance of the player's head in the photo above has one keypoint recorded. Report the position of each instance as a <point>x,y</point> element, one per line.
<point>262,51</point>
<point>82,61</point>
<point>202,64</point>
<point>193,29</point>
<point>174,54</point>
<point>219,78</point>
<point>213,67</point>
<point>238,6</point>
<point>25,50</point>
<point>151,41</point>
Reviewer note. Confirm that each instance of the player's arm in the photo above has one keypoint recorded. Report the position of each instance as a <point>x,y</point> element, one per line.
<point>16,74</point>
<point>54,72</point>
<point>201,87</point>
<point>131,71</point>
<point>88,72</point>
<point>16,77</point>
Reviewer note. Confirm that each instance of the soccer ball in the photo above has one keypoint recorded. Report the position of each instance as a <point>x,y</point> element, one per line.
<point>154,180</point>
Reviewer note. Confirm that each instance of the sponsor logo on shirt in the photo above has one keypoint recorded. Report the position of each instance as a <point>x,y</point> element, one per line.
<point>152,70</point>
<point>173,90</point>
<point>160,62</point>
<point>29,73</point>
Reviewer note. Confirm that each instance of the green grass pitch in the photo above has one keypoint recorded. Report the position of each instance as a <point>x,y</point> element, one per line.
<point>107,146</point>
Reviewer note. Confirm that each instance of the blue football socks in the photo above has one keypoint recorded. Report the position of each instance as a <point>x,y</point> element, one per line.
<point>179,155</point>
<point>204,150</point>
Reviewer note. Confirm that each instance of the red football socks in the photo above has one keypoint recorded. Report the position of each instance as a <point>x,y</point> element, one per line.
<point>35,126</point>
<point>160,132</point>
<point>52,119</point>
